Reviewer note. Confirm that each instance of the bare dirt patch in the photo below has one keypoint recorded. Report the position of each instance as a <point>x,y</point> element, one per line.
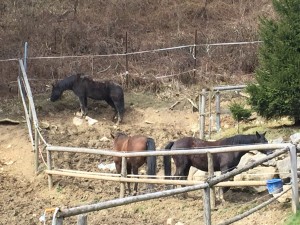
<point>25,195</point>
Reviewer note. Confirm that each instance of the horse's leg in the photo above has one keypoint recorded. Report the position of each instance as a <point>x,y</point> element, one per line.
<point>135,171</point>
<point>128,172</point>
<point>83,105</point>
<point>118,107</point>
<point>222,190</point>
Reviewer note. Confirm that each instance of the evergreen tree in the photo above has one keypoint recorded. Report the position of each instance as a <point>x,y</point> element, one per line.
<point>278,74</point>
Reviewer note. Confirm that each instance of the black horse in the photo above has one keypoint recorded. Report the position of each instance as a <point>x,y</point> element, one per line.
<point>223,162</point>
<point>85,87</point>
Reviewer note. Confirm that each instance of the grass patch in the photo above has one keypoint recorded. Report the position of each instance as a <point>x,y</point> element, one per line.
<point>293,219</point>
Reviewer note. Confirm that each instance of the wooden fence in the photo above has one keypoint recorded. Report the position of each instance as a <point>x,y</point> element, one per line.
<point>33,127</point>
<point>210,183</point>
<point>202,106</point>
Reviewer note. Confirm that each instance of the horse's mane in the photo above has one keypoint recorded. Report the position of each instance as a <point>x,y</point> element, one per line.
<point>239,139</point>
<point>107,83</point>
<point>68,81</point>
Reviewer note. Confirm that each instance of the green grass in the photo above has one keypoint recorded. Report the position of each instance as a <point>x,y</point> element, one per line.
<point>294,219</point>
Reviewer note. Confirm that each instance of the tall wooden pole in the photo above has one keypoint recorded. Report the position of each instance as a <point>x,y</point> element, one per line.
<point>195,54</point>
<point>202,114</point>
<point>218,111</point>
<point>126,58</point>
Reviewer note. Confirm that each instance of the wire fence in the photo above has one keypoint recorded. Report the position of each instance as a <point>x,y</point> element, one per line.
<point>186,63</point>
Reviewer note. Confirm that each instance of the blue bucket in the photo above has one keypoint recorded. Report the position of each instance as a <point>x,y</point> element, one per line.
<point>274,186</point>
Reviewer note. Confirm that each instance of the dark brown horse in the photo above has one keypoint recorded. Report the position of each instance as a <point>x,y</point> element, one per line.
<point>85,87</point>
<point>223,162</point>
<point>136,143</point>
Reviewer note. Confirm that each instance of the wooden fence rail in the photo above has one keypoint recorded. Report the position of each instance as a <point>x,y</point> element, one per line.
<point>206,186</point>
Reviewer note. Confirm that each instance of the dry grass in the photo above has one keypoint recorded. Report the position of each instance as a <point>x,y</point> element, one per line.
<point>55,28</point>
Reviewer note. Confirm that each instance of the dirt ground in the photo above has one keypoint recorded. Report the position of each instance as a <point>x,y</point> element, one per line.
<point>24,195</point>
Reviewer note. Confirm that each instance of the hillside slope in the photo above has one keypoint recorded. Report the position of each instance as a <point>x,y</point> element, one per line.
<point>92,27</point>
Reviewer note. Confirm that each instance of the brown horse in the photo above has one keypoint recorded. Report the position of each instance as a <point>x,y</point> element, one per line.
<point>136,143</point>
<point>224,162</point>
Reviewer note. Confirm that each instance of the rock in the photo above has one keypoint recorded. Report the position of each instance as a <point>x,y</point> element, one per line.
<point>170,221</point>
<point>179,223</point>
<point>92,143</point>
<point>277,141</point>
<point>284,165</point>
<point>192,171</point>
<point>44,125</point>
<point>77,121</point>
<point>199,175</point>
<point>109,167</point>
<point>91,121</point>
<point>253,156</point>
<point>143,172</point>
<point>104,139</point>
<point>295,138</point>
<point>257,174</point>
<point>72,130</point>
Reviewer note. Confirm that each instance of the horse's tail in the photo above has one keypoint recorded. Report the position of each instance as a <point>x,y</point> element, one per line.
<point>167,160</point>
<point>151,160</point>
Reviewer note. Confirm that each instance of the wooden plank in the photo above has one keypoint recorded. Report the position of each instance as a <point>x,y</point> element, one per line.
<point>92,175</point>
<point>123,201</point>
<point>164,152</point>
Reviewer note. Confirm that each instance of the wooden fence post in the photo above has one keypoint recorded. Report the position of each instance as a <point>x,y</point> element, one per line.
<point>211,174</point>
<point>218,111</point>
<point>209,113</point>
<point>207,209</point>
<point>123,174</point>
<point>49,165</point>
<point>202,114</point>
<point>126,60</point>
<point>82,219</point>
<point>195,54</point>
<point>36,148</point>
<point>295,188</point>
<point>58,221</point>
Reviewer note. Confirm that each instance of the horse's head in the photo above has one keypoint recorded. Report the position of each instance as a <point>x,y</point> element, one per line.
<point>262,140</point>
<point>117,135</point>
<point>56,92</point>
